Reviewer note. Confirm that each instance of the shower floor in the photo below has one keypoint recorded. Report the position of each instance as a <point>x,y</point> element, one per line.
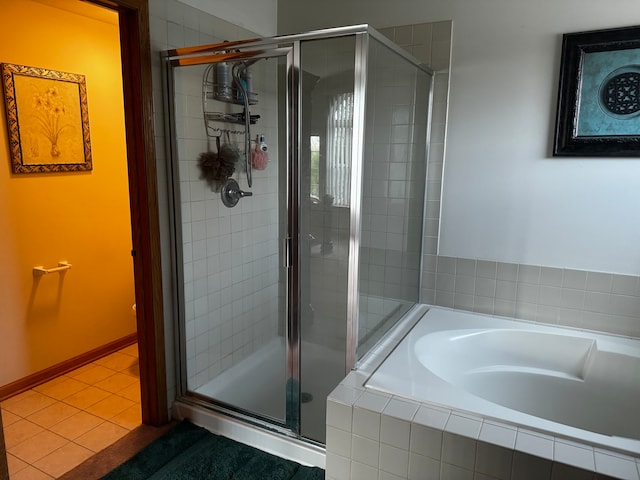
<point>257,384</point>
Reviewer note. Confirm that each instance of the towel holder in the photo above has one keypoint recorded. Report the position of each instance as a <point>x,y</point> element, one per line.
<point>40,270</point>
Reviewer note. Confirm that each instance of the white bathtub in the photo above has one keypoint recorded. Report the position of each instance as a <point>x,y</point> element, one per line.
<point>568,383</point>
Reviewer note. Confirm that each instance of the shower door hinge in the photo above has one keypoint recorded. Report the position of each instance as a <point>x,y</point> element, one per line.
<point>287,246</point>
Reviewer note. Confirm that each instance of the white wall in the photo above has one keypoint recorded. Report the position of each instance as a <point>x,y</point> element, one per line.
<point>504,197</point>
<point>256,15</point>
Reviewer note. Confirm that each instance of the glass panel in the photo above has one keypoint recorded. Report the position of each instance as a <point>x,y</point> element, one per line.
<point>327,68</point>
<point>234,279</point>
<point>394,173</point>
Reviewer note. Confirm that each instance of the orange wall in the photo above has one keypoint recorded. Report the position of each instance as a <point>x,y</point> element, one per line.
<point>79,217</point>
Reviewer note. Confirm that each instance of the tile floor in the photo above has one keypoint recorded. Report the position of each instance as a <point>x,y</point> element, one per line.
<point>56,426</point>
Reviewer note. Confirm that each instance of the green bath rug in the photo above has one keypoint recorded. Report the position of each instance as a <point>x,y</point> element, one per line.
<point>188,452</point>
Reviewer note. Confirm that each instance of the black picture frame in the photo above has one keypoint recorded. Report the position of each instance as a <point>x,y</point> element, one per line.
<point>598,111</point>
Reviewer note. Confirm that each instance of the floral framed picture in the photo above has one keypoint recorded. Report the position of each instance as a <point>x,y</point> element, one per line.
<point>47,120</point>
<point>599,94</point>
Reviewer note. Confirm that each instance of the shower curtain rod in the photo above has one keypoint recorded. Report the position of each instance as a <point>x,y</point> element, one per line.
<point>212,47</point>
<point>218,57</point>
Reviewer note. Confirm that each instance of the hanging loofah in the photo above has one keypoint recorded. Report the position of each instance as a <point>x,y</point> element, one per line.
<point>259,158</point>
<point>229,153</point>
<point>216,168</point>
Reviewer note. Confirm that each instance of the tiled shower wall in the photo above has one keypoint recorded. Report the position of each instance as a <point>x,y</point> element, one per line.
<point>230,255</point>
<point>601,301</point>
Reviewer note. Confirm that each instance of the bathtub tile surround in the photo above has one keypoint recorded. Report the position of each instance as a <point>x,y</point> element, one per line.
<point>574,298</point>
<point>375,435</point>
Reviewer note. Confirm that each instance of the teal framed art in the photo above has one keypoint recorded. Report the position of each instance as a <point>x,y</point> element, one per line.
<point>598,110</point>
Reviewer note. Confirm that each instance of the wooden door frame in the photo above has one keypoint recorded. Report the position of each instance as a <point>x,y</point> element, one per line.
<point>135,46</point>
<point>4,467</point>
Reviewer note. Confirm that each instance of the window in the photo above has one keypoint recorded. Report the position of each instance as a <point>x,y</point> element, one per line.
<point>314,147</point>
<point>339,141</point>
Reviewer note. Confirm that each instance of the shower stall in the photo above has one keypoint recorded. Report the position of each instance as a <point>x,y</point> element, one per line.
<point>298,168</point>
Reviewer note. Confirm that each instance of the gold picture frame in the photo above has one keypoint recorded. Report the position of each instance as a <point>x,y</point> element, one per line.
<point>47,119</point>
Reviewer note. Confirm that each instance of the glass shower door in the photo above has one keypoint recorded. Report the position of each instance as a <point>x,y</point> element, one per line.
<point>234,267</point>
<point>327,86</point>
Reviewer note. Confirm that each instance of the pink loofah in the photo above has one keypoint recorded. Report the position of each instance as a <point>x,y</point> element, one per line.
<point>259,159</point>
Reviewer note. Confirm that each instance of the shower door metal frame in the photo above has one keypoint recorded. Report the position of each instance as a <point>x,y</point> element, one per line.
<point>355,226</point>
<point>292,248</point>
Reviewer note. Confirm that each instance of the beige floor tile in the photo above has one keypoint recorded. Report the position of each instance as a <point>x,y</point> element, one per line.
<point>49,416</point>
<point>110,407</point>
<point>130,418</point>
<point>133,370</point>
<point>50,383</point>
<point>15,464</point>
<point>87,397</point>
<point>31,473</point>
<point>16,398</point>
<point>73,435</point>
<point>62,388</point>
<point>8,418</point>
<point>130,350</point>
<point>38,446</point>
<point>76,425</point>
<point>117,361</point>
<point>102,436</point>
<point>79,370</point>
<point>116,382</point>
<point>132,392</point>
<point>92,375</point>
<point>20,431</point>
<point>27,403</point>
<point>64,459</point>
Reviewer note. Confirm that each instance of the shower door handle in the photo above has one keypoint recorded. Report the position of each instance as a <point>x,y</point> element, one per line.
<point>287,261</point>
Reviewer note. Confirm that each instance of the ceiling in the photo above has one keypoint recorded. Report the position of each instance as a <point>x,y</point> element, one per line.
<point>85,9</point>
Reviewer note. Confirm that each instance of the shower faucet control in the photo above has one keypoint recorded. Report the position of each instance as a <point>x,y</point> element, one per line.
<point>231,193</point>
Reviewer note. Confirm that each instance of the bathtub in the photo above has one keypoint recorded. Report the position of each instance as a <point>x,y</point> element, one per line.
<point>567,383</point>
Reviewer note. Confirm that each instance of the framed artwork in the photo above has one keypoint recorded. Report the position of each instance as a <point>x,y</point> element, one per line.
<point>599,94</point>
<point>47,120</point>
